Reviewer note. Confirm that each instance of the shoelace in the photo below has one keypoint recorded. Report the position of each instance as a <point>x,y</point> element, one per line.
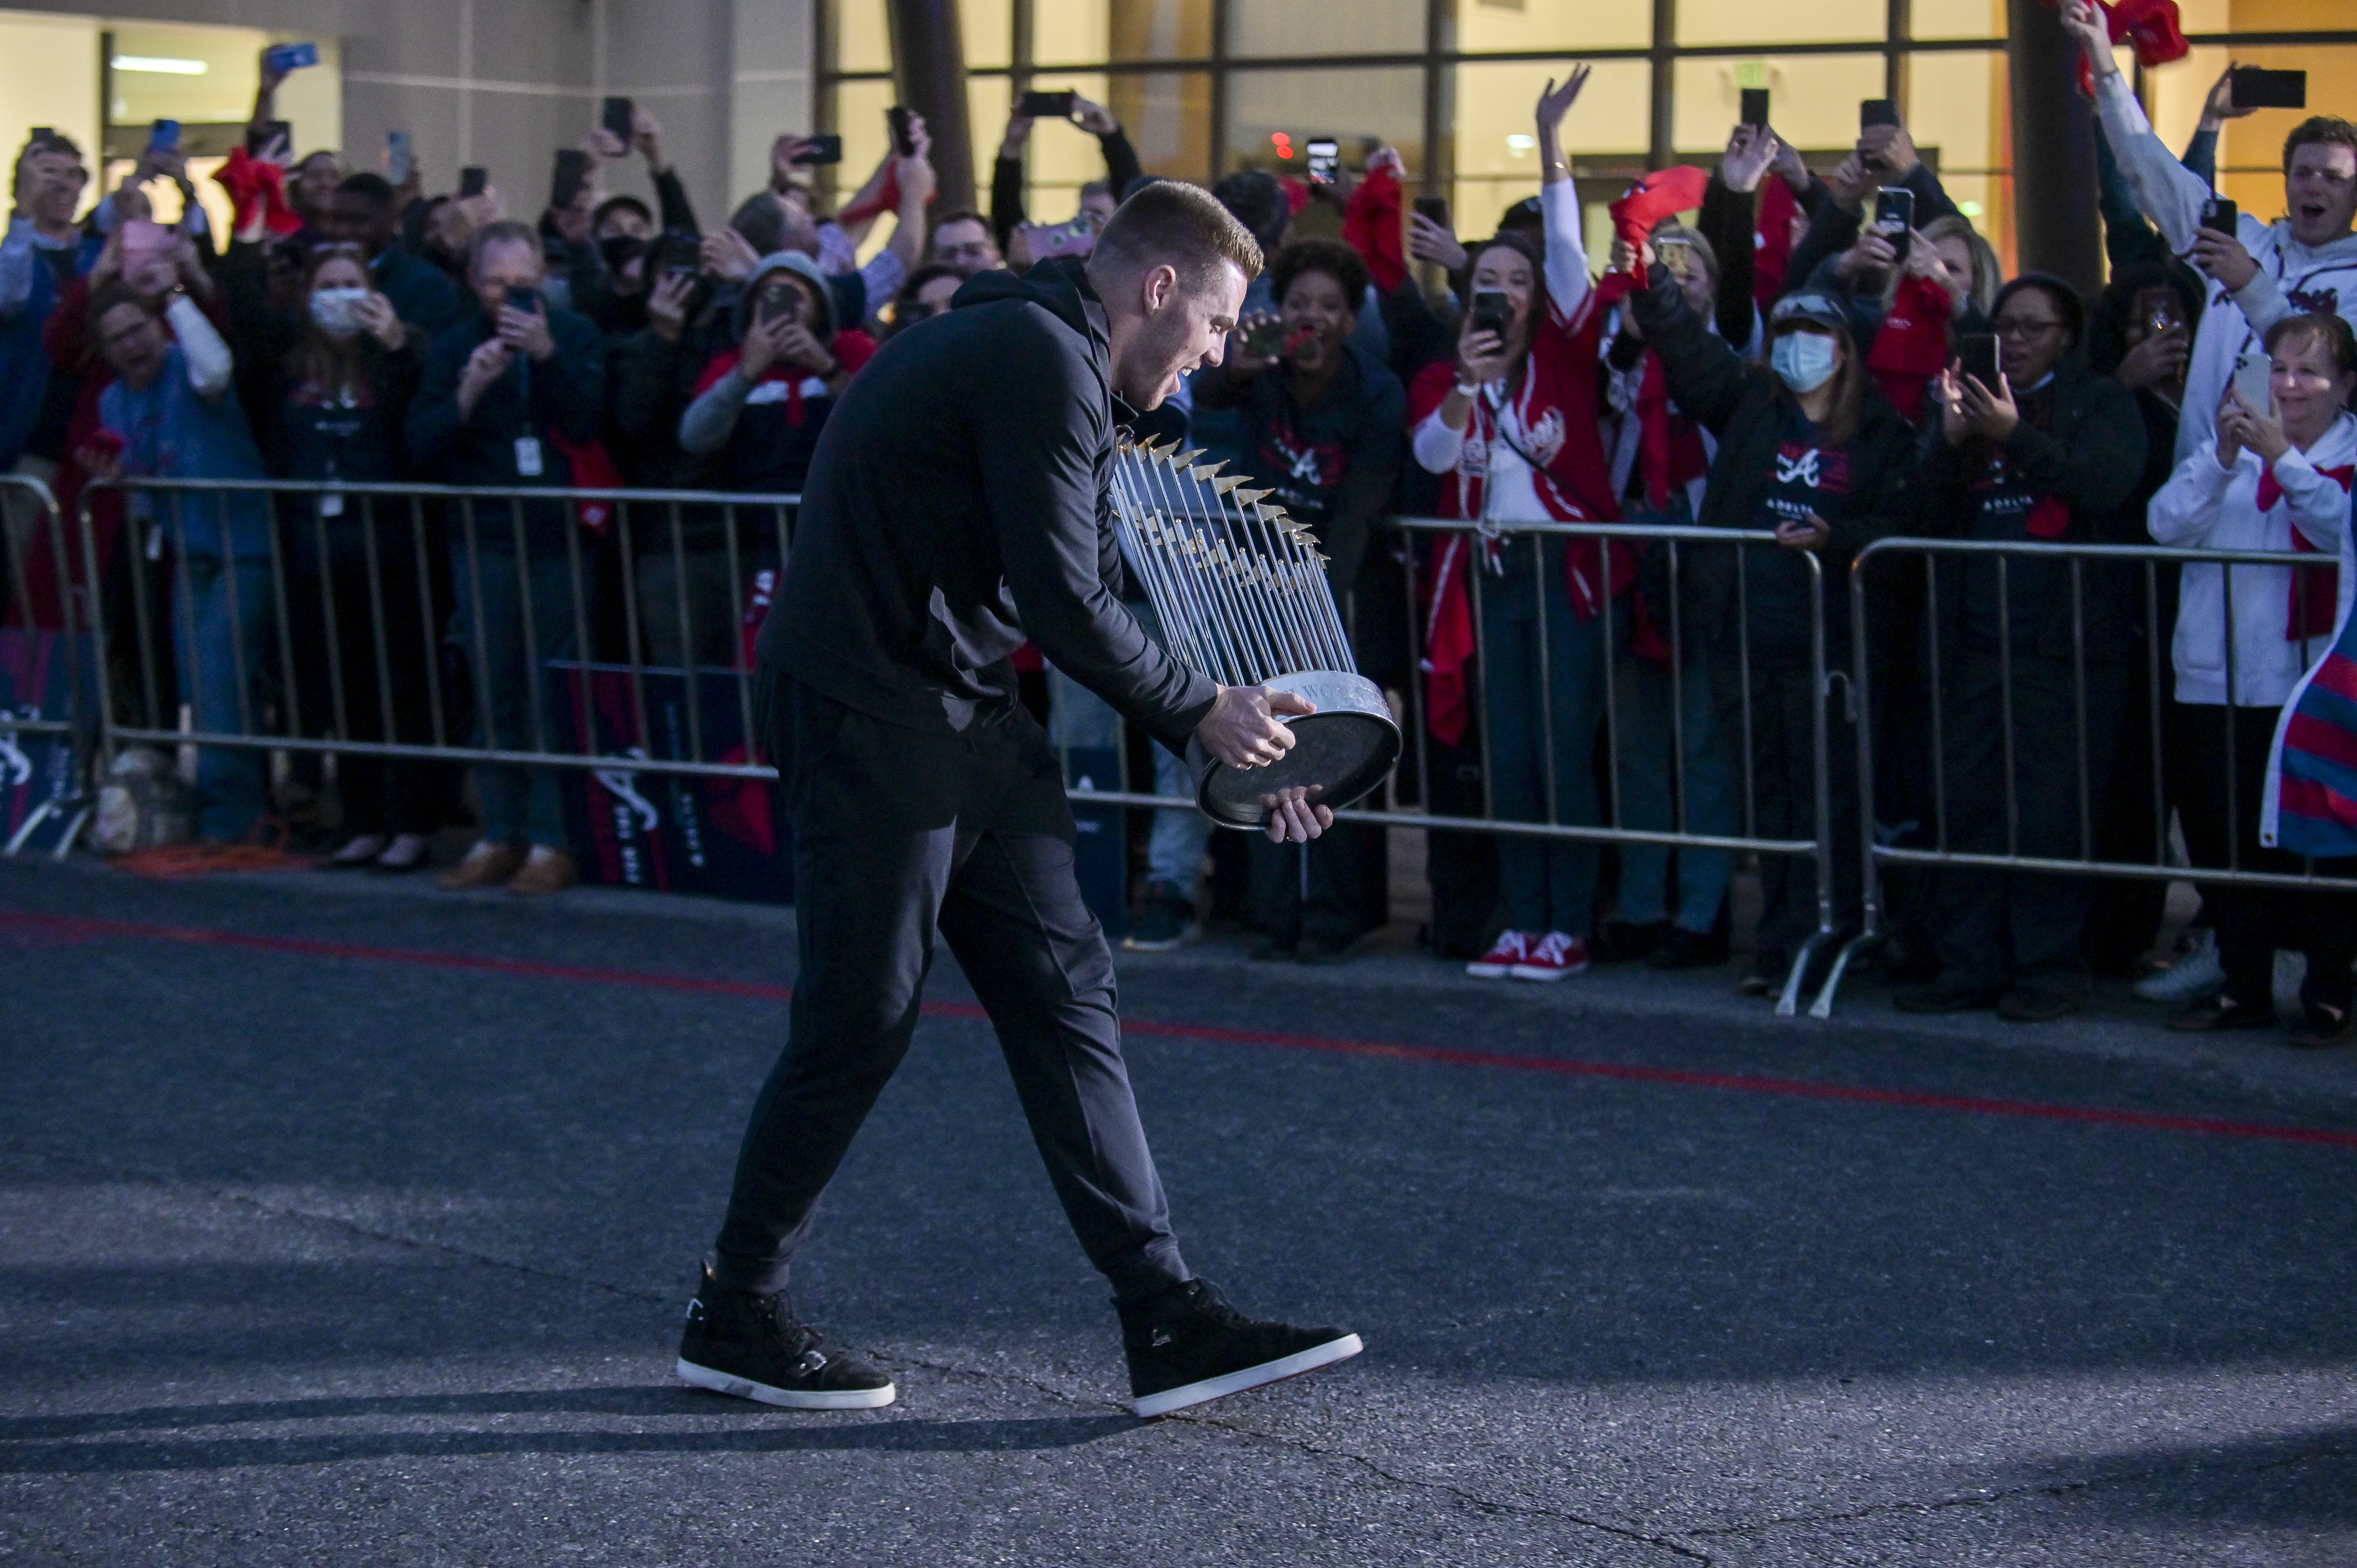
<point>1510,945</point>
<point>1553,947</point>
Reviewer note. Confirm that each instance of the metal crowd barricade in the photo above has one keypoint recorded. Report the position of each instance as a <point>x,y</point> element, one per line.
<point>45,667</point>
<point>1677,542</point>
<point>2158,670</point>
<point>364,565</point>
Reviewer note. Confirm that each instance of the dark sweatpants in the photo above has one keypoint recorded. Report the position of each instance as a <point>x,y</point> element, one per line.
<point>2253,922</point>
<point>1995,928</point>
<point>896,831</point>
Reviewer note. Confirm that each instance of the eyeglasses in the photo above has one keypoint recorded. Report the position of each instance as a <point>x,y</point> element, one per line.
<point>2018,328</point>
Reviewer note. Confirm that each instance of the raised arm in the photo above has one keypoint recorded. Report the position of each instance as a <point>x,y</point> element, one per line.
<point>1567,257</point>
<point>2170,194</point>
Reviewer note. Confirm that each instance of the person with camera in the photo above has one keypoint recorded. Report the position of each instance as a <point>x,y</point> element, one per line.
<point>2045,451</point>
<point>2276,477</point>
<point>506,398</point>
<point>2304,261</point>
<point>1098,198</point>
<point>341,392</point>
<point>1322,424</point>
<point>44,253</point>
<point>1809,447</point>
<point>903,184</point>
<point>618,262</point>
<point>1512,428</point>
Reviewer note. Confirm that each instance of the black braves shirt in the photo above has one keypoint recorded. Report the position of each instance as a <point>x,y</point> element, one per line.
<point>1803,478</point>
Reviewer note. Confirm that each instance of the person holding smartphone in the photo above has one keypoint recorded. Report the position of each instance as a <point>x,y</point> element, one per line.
<point>1512,428</point>
<point>1098,198</point>
<point>2304,261</point>
<point>511,396</point>
<point>2046,451</point>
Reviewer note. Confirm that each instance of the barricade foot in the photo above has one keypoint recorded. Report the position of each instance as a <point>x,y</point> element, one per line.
<point>1823,1008</point>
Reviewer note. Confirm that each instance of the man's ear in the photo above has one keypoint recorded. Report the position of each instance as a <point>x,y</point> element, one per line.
<point>1158,287</point>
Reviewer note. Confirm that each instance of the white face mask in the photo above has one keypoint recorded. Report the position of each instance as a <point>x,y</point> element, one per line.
<point>1803,360</point>
<point>336,311</point>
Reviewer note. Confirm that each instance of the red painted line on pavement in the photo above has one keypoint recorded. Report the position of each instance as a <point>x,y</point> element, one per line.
<point>83,928</point>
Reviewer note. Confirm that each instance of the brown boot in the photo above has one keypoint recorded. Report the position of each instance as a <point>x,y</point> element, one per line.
<point>547,871</point>
<point>488,865</point>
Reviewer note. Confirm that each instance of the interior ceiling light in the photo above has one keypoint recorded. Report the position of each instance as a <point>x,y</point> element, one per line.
<point>162,65</point>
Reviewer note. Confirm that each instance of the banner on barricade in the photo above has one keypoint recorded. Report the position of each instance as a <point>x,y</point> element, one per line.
<point>670,832</point>
<point>36,766</point>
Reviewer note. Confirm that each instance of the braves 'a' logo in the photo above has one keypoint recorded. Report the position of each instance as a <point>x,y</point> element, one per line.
<point>1801,469</point>
<point>1813,466</point>
<point>1311,464</point>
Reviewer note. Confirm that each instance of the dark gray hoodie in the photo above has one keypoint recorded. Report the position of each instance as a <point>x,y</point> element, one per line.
<point>958,505</point>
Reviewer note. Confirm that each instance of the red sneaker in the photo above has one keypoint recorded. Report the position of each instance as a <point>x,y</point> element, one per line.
<point>1511,950</point>
<point>1552,957</point>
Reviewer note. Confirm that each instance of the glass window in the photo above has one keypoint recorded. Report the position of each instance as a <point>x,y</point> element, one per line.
<point>1749,22</point>
<point>1167,114</point>
<point>988,27</point>
<point>1957,115</point>
<point>863,38</point>
<point>1957,18</point>
<point>1487,26</point>
<point>1160,29</point>
<point>2250,152</point>
<point>859,120</point>
<point>1079,31</point>
<point>1360,108</point>
<point>2174,94</point>
<point>1497,160</point>
<point>1290,28</point>
<point>1813,100</point>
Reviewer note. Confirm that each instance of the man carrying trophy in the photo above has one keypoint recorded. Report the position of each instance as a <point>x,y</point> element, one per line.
<point>958,503</point>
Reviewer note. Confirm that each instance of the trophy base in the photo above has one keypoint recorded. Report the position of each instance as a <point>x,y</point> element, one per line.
<point>1340,753</point>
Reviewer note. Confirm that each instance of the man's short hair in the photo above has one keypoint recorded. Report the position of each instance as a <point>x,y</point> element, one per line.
<point>963,215</point>
<point>52,142</point>
<point>374,188</point>
<point>614,204</point>
<point>1259,203</point>
<point>113,296</point>
<point>1332,257</point>
<point>1096,188</point>
<point>762,218</point>
<point>2319,130</point>
<point>1178,225</point>
<point>506,231</point>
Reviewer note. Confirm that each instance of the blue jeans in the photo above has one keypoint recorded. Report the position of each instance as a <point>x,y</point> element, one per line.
<point>510,683</point>
<point>1649,788</point>
<point>1079,719</point>
<point>1541,708</point>
<point>222,618</point>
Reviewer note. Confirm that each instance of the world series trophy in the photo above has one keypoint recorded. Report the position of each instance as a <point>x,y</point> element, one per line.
<point>1240,589</point>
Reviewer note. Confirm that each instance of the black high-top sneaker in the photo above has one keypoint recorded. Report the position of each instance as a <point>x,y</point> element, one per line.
<point>1186,1346</point>
<point>753,1347</point>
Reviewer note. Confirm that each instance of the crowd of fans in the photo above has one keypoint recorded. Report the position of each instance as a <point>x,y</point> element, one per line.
<point>1789,363</point>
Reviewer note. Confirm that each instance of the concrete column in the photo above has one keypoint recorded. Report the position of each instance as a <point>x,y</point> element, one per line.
<point>2057,225</point>
<point>929,67</point>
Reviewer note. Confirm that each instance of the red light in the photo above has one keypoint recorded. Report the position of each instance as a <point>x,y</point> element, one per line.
<point>1285,152</point>
<point>1280,138</point>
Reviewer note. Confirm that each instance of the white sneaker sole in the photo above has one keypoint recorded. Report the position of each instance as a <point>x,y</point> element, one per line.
<point>1228,1383</point>
<point>1532,971</point>
<point>791,1398</point>
<point>1489,971</point>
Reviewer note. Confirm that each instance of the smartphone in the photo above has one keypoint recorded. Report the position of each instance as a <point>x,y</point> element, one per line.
<point>524,299</point>
<point>2220,215</point>
<point>1434,209</point>
<point>1489,313</point>
<point>1047,105</point>
<point>570,179</point>
<point>1265,340</point>
<point>164,137</point>
<point>896,117</point>
<point>1325,160</point>
<point>620,117</point>
<point>820,150</point>
<point>1873,112</point>
<point>1894,216</point>
<point>1755,106</point>
<point>273,140</point>
<point>1978,352</point>
<point>400,157</point>
<point>283,57</point>
<point>2255,380</point>
<point>680,251</point>
<point>1078,238</point>
<point>782,303</point>
<point>473,180</point>
<point>2255,87</point>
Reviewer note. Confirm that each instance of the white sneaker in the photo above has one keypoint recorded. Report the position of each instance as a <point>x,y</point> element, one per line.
<point>1511,948</point>
<point>2196,973</point>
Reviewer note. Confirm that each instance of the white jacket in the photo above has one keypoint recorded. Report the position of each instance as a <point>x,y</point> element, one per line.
<point>2292,278</point>
<point>2207,507</point>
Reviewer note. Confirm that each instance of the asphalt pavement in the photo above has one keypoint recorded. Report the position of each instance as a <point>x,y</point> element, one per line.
<point>348,1223</point>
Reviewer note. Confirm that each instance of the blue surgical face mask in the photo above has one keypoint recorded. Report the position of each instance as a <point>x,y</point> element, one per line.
<point>336,311</point>
<point>1803,360</point>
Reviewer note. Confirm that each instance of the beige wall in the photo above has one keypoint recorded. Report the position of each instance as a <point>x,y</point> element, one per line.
<point>500,82</point>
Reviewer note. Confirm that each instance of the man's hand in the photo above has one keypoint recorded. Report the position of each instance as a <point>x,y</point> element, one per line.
<point>2094,37</point>
<point>1750,152</point>
<point>526,332</point>
<point>1243,730</point>
<point>914,173</point>
<point>783,170</point>
<point>2159,357</point>
<point>1872,252</point>
<point>1094,117</point>
<point>667,306</point>
<point>646,135</point>
<point>2220,107</point>
<point>762,347</point>
<point>1292,816</point>
<point>378,319</point>
<point>2224,258</point>
<point>728,254</point>
<point>1848,182</point>
<point>1019,132</point>
<point>1243,364</point>
<point>485,366</point>
<point>1428,241</point>
<point>800,350</point>
<point>1888,148</point>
